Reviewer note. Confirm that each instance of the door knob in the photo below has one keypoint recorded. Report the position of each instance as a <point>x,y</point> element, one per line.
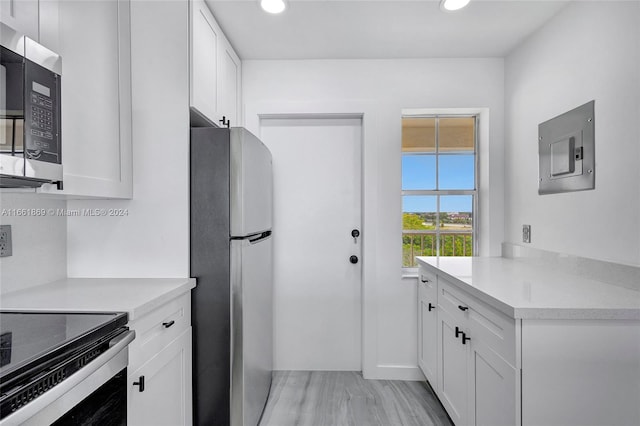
<point>353,259</point>
<point>355,234</point>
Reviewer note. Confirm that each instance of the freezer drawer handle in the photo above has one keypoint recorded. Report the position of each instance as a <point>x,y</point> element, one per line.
<point>140,384</point>
<point>168,324</point>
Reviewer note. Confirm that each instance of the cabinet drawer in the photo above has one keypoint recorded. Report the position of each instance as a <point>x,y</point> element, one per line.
<point>494,328</point>
<point>426,277</point>
<point>427,287</point>
<point>157,329</point>
<point>452,300</point>
<point>481,321</point>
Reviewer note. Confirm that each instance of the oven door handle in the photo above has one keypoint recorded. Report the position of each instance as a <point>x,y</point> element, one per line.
<point>54,403</point>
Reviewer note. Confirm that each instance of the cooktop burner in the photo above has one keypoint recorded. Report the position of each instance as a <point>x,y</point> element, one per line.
<point>28,338</point>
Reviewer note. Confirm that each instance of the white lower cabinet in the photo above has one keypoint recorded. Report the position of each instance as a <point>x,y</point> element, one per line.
<point>494,370</point>
<point>428,328</point>
<point>159,388</point>
<point>492,388</point>
<point>473,345</point>
<point>453,372</point>
<point>165,397</point>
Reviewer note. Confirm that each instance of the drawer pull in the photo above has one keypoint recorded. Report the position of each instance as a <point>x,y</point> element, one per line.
<point>431,307</point>
<point>463,308</point>
<point>458,332</point>
<point>140,384</point>
<point>465,338</point>
<point>424,280</point>
<point>168,324</point>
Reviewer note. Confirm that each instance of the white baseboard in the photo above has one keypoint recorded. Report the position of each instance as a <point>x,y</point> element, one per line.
<point>394,372</point>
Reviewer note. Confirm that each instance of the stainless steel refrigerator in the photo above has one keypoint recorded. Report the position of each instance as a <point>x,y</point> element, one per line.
<point>231,259</point>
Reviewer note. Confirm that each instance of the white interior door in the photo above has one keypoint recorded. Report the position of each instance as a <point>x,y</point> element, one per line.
<point>317,204</point>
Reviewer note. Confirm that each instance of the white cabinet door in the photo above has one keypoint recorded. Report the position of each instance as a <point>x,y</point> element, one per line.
<point>428,330</point>
<point>21,16</point>
<point>95,44</point>
<point>492,388</point>
<point>229,77</point>
<point>204,41</point>
<point>166,398</point>
<point>453,370</point>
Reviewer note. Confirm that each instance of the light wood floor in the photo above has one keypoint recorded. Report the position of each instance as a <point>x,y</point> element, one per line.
<point>344,398</point>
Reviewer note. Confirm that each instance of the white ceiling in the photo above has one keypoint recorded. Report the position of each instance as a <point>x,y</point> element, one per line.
<point>380,29</point>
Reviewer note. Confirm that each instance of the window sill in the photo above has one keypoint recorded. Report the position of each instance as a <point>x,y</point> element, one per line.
<point>409,273</point>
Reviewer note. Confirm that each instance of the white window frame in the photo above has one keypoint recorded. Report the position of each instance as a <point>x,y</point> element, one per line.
<point>449,113</point>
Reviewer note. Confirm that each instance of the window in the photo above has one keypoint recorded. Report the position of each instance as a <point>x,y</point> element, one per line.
<point>439,186</point>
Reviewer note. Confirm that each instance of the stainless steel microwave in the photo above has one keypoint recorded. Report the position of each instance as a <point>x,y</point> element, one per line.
<point>30,139</point>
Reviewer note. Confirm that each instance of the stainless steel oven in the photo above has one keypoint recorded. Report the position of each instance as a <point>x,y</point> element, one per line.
<point>30,120</point>
<point>63,368</point>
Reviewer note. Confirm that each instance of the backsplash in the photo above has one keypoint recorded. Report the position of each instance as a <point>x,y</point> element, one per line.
<point>627,276</point>
<point>39,240</point>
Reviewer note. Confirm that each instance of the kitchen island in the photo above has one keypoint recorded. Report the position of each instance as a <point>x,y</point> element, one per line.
<point>506,342</point>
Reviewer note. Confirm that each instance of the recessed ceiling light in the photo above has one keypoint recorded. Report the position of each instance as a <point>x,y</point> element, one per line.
<point>451,5</point>
<point>273,6</point>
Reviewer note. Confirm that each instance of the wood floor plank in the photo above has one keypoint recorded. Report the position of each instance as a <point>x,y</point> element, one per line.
<point>344,398</point>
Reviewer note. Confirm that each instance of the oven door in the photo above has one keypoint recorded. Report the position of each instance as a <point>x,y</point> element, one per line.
<point>80,399</point>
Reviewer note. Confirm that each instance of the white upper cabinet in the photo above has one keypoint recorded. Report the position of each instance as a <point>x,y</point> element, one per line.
<point>22,16</point>
<point>215,69</point>
<point>204,40</point>
<point>229,84</point>
<point>95,45</point>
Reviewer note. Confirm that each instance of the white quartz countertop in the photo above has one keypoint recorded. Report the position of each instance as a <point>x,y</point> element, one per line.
<point>524,291</point>
<point>136,296</point>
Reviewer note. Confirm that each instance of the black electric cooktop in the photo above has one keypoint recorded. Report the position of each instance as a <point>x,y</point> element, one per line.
<point>32,339</point>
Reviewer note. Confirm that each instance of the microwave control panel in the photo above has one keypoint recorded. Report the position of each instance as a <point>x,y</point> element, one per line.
<point>42,114</point>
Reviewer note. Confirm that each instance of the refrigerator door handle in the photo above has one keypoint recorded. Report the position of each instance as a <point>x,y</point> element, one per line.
<point>254,238</point>
<point>260,237</point>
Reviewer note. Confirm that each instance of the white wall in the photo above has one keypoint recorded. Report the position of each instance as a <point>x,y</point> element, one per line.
<point>39,236</point>
<point>591,50</point>
<point>153,239</point>
<point>385,87</point>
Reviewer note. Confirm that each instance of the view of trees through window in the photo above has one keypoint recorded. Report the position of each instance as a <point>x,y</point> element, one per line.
<point>438,186</point>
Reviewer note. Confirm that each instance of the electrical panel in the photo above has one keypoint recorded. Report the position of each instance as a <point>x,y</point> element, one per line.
<point>566,151</point>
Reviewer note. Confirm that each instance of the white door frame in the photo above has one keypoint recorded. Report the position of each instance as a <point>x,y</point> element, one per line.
<point>254,112</point>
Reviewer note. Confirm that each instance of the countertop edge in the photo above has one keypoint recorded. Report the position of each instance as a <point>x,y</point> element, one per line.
<point>153,299</point>
<point>144,309</point>
<point>541,313</point>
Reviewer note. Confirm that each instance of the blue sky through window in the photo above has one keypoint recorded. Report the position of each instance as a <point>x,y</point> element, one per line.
<point>456,172</point>
<point>419,172</point>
